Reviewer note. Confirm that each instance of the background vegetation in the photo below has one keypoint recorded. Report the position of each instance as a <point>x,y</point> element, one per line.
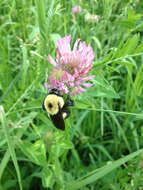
<point>102,145</point>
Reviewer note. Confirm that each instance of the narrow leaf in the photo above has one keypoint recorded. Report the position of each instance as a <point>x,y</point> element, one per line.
<point>94,176</point>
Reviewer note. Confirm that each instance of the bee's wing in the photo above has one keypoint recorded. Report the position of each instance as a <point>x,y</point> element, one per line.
<point>58,120</point>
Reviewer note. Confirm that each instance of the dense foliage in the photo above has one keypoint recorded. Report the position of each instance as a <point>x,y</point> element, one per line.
<point>101,147</point>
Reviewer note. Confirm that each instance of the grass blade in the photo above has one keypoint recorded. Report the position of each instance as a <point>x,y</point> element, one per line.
<point>93,176</point>
<point>10,145</point>
<point>4,163</point>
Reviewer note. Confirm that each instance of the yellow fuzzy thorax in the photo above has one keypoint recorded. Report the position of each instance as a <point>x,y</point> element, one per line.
<point>51,103</point>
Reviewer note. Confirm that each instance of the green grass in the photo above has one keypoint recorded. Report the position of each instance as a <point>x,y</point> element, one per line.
<point>101,147</point>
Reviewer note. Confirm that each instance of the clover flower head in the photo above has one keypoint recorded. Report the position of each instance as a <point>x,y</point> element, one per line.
<point>91,18</point>
<point>77,9</point>
<point>71,67</point>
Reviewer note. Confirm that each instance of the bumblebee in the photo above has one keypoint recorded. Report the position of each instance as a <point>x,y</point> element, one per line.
<point>57,108</point>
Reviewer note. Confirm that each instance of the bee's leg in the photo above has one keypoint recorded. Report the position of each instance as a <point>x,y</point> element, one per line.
<point>69,101</point>
<point>65,113</point>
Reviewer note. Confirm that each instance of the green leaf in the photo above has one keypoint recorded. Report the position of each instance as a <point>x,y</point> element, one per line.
<point>11,85</point>
<point>102,88</point>
<point>55,37</point>
<point>97,42</point>
<point>48,178</point>
<point>97,174</point>
<point>139,49</point>
<point>11,147</point>
<point>129,47</point>
<point>35,152</point>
